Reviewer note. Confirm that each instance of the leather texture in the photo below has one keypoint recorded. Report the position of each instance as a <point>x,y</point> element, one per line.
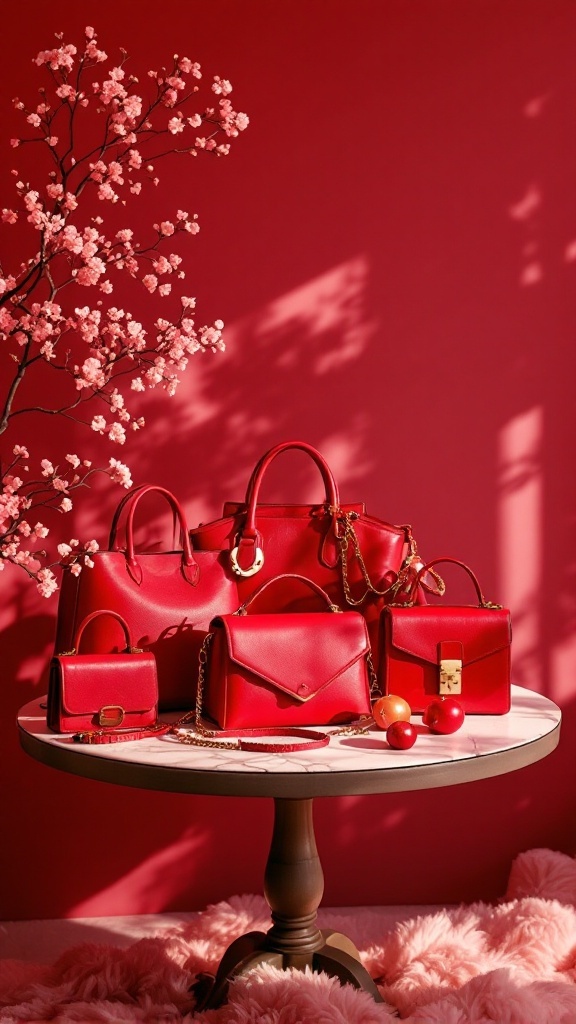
<point>302,539</point>
<point>168,598</point>
<point>287,669</point>
<point>417,639</point>
<point>87,690</point>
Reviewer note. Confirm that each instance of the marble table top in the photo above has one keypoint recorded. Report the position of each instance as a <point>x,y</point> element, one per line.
<point>486,745</point>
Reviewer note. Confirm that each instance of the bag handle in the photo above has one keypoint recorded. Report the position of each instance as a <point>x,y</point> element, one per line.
<point>94,615</point>
<point>189,566</point>
<point>242,610</point>
<point>249,541</point>
<point>482,602</point>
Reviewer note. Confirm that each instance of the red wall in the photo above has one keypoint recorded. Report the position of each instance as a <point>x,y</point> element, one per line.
<point>392,246</point>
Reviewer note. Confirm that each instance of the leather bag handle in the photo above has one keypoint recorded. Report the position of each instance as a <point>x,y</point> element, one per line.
<point>94,615</point>
<point>255,482</point>
<point>242,610</point>
<point>248,539</point>
<point>113,543</point>
<point>482,602</point>
<point>189,566</point>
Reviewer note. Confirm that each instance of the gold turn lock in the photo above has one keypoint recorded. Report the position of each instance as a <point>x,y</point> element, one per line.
<point>111,715</point>
<point>450,676</point>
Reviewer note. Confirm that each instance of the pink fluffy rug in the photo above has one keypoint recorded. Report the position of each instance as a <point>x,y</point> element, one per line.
<point>513,962</point>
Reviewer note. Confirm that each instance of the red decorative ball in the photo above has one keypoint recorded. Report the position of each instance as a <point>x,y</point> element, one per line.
<point>390,709</point>
<point>401,735</point>
<point>443,715</point>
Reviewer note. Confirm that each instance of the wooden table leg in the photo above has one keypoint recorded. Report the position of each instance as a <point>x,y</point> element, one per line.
<point>293,886</point>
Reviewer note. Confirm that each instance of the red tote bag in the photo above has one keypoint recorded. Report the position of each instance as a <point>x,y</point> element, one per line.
<point>358,559</point>
<point>167,598</point>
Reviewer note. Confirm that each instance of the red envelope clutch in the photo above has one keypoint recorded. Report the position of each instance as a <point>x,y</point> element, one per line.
<point>288,668</point>
<point>461,651</point>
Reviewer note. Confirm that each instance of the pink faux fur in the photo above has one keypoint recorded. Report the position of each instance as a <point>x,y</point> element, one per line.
<point>509,963</point>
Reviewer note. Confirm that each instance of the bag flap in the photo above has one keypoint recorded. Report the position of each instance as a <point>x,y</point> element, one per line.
<point>92,681</point>
<point>419,631</point>
<point>298,653</point>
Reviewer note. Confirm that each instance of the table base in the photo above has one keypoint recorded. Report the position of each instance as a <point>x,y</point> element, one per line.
<point>293,886</point>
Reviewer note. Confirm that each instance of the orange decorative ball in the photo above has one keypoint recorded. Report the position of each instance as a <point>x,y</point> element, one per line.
<point>390,709</point>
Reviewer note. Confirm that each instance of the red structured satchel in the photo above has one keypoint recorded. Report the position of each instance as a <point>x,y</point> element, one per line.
<point>116,690</point>
<point>461,651</point>
<point>278,669</point>
<point>359,560</point>
<point>167,598</point>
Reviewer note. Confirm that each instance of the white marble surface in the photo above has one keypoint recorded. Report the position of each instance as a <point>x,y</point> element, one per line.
<point>532,718</point>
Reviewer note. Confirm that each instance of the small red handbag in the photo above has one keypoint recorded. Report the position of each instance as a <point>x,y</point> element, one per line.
<point>461,651</point>
<point>87,692</point>
<point>288,668</point>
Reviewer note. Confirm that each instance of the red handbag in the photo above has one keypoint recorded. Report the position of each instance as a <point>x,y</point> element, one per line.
<point>88,692</point>
<point>286,668</point>
<point>358,559</point>
<point>460,651</point>
<point>167,598</point>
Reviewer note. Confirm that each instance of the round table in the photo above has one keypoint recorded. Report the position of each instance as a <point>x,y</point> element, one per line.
<point>485,746</point>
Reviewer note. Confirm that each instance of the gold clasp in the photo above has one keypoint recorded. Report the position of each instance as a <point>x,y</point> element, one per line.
<point>450,676</point>
<point>111,715</point>
<point>254,568</point>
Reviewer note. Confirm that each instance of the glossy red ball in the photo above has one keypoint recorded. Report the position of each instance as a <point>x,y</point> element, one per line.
<point>390,709</point>
<point>401,735</point>
<point>443,715</point>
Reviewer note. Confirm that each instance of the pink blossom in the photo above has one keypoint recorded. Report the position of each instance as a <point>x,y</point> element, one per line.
<point>40,531</point>
<point>76,568</point>
<point>195,121</point>
<point>117,433</point>
<point>47,467</point>
<point>166,228</point>
<point>64,550</point>
<point>34,120</point>
<point>20,451</point>
<point>136,188</point>
<point>133,107</point>
<point>164,289</point>
<point>73,460</point>
<point>120,473</point>
<point>175,125</point>
<point>137,385</point>
<point>46,582</point>
<point>221,86</point>
<point>98,424</point>
<point>150,281</point>
<point>9,216</point>
<point>65,505</point>
<point>14,143</point>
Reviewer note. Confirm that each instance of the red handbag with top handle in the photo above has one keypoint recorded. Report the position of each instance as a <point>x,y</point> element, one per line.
<point>102,691</point>
<point>359,560</point>
<point>461,651</point>
<point>167,598</point>
<point>278,669</point>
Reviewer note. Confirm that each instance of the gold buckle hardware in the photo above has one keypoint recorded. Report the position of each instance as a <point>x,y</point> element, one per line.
<point>254,568</point>
<point>111,715</point>
<point>450,676</point>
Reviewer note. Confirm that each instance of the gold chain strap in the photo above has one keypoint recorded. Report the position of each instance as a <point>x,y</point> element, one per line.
<point>402,576</point>
<point>200,736</point>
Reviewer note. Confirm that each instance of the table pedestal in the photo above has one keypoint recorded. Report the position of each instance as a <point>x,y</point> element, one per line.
<point>293,886</point>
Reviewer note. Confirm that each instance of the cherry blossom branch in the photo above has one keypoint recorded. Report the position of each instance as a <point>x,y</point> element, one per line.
<point>106,346</point>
